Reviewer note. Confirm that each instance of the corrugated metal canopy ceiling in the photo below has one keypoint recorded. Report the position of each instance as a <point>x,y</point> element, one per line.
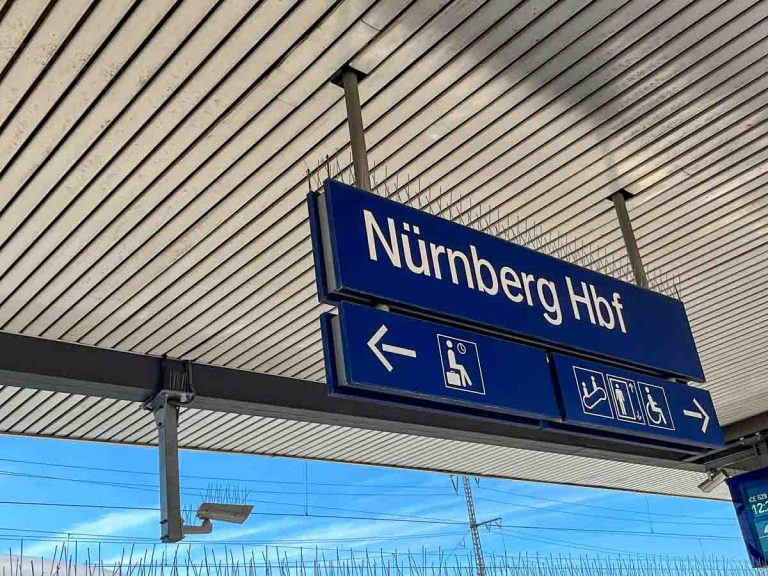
<point>153,170</point>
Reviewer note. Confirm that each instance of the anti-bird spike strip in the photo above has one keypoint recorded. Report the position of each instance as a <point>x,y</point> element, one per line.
<point>483,218</point>
<point>336,562</point>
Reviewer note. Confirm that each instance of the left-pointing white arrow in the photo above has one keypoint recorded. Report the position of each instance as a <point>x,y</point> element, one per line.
<point>700,415</point>
<point>374,340</point>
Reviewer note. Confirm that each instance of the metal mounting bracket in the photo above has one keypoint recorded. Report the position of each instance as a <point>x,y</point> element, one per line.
<point>348,79</point>
<point>633,252</point>
<point>174,390</point>
<point>761,451</point>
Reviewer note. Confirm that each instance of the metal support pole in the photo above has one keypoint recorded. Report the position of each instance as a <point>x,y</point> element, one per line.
<point>619,203</point>
<point>166,416</point>
<point>356,129</point>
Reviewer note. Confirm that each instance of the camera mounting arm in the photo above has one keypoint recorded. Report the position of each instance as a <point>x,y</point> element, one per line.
<point>175,390</point>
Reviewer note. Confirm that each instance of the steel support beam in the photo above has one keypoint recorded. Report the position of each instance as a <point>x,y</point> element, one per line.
<point>747,427</point>
<point>77,369</point>
<point>620,204</point>
<point>349,79</point>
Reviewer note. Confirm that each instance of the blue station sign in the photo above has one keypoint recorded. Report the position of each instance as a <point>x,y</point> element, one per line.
<point>399,356</point>
<point>750,499</point>
<point>627,402</point>
<point>376,250</point>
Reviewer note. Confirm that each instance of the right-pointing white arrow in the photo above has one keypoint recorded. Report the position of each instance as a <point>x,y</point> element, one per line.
<point>700,415</point>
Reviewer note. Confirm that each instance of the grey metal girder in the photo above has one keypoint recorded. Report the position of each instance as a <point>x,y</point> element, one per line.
<point>67,367</point>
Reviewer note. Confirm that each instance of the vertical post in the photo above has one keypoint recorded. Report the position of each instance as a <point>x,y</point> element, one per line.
<point>761,452</point>
<point>620,204</point>
<point>473,527</point>
<point>167,420</point>
<point>356,129</point>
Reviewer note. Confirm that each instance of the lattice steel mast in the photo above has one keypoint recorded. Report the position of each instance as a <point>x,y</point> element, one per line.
<point>474,527</point>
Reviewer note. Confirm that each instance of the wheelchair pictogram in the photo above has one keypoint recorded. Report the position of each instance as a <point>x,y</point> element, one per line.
<point>655,406</point>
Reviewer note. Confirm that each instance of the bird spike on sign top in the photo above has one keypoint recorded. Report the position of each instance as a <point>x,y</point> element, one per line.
<point>413,192</point>
<point>228,493</point>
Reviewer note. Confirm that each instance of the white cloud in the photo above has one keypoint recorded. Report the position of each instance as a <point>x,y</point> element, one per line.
<point>234,534</point>
<point>114,523</point>
<point>353,534</point>
<point>11,565</point>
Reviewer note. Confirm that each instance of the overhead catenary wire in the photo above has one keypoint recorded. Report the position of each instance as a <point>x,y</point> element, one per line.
<point>400,493</point>
<point>26,534</point>
<point>599,516</point>
<point>154,489</point>
<point>416,520</point>
<point>597,506</point>
<point>575,545</point>
<point>201,477</point>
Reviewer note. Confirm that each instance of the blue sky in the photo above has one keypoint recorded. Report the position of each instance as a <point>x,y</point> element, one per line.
<point>328,505</point>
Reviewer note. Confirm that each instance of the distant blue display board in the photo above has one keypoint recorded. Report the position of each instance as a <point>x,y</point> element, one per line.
<point>378,250</point>
<point>616,400</point>
<point>400,356</point>
<point>750,498</point>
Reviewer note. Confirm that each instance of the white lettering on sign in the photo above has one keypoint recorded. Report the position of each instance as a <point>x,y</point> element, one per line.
<point>407,247</point>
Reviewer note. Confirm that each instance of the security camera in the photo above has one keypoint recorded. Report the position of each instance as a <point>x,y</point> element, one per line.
<point>208,511</point>
<point>235,513</point>
<point>713,481</point>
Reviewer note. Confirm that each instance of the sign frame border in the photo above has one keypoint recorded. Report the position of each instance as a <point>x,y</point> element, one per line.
<point>326,258</point>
